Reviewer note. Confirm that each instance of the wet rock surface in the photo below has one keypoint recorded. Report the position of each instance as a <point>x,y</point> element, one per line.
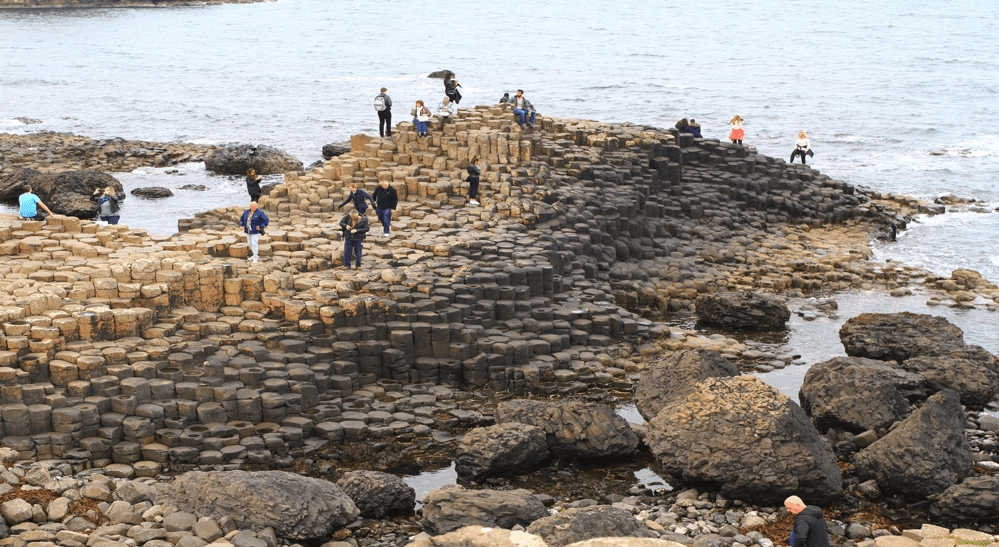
<point>236,159</point>
<point>753,311</point>
<point>48,152</point>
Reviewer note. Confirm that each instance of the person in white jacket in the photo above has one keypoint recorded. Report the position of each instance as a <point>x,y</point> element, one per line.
<point>802,147</point>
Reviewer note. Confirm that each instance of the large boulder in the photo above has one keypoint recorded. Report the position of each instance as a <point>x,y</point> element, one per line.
<point>969,370</point>
<point>152,192</point>
<point>897,336</point>
<point>598,521</point>
<point>748,439</point>
<point>452,507</point>
<point>296,507</point>
<point>975,499</point>
<point>854,394</point>
<point>501,449</point>
<point>335,149</point>
<point>478,536</point>
<point>741,310</point>
<point>67,193</point>
<point>237,159</point>
<point>671,377</point>
<point>378,494</point>
<point>925,454</point>
<point>573,429</point>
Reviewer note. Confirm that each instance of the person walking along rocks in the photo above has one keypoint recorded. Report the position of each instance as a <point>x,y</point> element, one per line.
<point>29,205</point>
<point>473,179</point>
<point>359,197</point>
<point>253,184</point>
<point>107,204</point>
<point>809,528</point>
<point>386,200</point>
<point>802,147</point>
<point>737,133</point>
<point>421,117</point>
<point>252,223</point>
<point>522,107</point>
<point>383,104</point>
<point>355,228</point>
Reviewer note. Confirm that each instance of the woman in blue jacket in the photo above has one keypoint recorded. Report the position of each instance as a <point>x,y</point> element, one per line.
<point>252,223</point>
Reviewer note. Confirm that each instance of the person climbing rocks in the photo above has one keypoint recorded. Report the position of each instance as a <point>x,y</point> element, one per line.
<point>253,184</point>
<point>383,105</point>
<point>802,147</point>
<point>107,204</point>
<point>355,228</point>
<point>252,223</point>
<point>809,528</point>
<point>737,133</point>
<point>522,107</point>
<point>386,200</point>
<point>29,206</point>
<point>359,197</point>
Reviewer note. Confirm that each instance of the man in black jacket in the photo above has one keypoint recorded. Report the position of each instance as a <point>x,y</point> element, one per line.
<point>386,200</point>
<point>355,227</point>
<point>809,528</point>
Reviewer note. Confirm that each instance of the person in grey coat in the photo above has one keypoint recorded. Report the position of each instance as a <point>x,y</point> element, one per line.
<point>521,107</point>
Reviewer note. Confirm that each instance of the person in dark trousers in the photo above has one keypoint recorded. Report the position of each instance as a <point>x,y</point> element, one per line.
<point>383,104</point>
<point>355,227</point>
<point>107,204</point>
<point>802,147</point>
<point>253,184</point>
<point>386,200</point>
<point>252,223</point>
<point>522,107</point>
<point>359,197</point>
<point>451,86</point>
<point>809,528</point>
<point>473,180</point>
<point>694,128</point>
<point>29,205</point>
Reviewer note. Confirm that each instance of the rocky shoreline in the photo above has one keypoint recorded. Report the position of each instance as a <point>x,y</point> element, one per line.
<point>131,360</point>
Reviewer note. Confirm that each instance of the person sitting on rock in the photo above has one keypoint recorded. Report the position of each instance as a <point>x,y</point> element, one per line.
<point>421,116</point>
<point>694,128</point>
<point>802,147</point>
<point>107,204</point>
<point>386,200</point>
<point>522,107</point>
<point>445,110</point>
<point>252,223</point>
<point>682,125</point>
<point>355,228</point>
<point>809,528</point>
<point>29,206</point>
<point>359,197</point>
<point>253,184</point>
<point>505,98</point>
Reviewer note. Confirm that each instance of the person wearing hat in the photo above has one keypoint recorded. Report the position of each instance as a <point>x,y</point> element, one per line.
<point>809,528</point>
<point>355,227</point>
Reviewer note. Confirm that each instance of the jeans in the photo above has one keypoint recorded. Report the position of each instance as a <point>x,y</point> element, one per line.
<point>352,247</point>
<point>421,127</point>
<point>521,113</point>
<point>385,122</point>
<point>112,219</point>
<point>385,216</point>
<point>473,187</point>
<point>253,240</point>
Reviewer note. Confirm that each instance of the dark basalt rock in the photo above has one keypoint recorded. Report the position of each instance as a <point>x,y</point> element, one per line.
<point>152,192</point>
<point>897,336</point>
<point>67,193</point>
<point>754,311</point>
<point>237,159</point>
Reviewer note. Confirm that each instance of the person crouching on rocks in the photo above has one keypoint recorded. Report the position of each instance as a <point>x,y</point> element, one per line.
<point>253,184</point>
<point>252,223</point>
<point>355,227</point>
<point>29,205</point>
<point>359,197</point>
<point>107,204</point>
<point>737,133</point>
<point>802,147</point>
<point>421,117</point>
<point>809,528</point>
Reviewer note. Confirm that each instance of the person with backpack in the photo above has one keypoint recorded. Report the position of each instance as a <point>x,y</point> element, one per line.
<point>386,200</point>
<point>107,204</point>
<point>359,197</point>
<point>252,223</point>
<point>383,105</point>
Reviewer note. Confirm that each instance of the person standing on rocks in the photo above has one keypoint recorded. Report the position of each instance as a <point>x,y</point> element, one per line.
<point>386,200</point>
<point>421,117</point>
<point>802,147</point>
<point>355,228</point>
<point>451,86</point>
<point>359,197</point>
<point>383,104</point>
<point>107,204</point>
<point>253,184</point>
<point>473,179</point>
<point>737,133</point>
<point>522,107</point>
<point>29,205</point>
<point>809,528</point>
<point>252,223</point>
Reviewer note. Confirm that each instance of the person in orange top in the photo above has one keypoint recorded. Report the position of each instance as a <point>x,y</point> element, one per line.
<point>737,133</point>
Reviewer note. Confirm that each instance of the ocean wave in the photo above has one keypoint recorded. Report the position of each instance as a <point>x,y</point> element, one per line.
<point>981,147</point>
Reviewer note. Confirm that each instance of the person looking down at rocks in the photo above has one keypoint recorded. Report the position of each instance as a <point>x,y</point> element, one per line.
<point>359,197</point>
<point>522,107</point>
<point>809,528</point>
<point>29,205</point>
<point>386,200</point>
<point>355,228</point>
